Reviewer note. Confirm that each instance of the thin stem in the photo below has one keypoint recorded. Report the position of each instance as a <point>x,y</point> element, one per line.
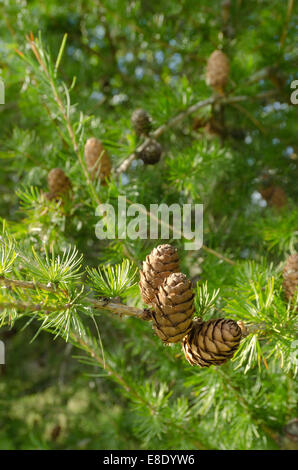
<point>246,406</point>
<point>155,134</point>
<point>218,255</point>
<point>26,306</point>
<point>286,25</point>
<point>94,354</point>
<point>101,304</point>
<point>250,117</point>
<point>90,349</point>
<point>178,232</point>
<point>181,116</point>
<point>160,130</point>
<point>66,119</point>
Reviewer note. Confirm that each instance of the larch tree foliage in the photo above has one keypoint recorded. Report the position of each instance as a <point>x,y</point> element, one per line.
<point>124,343</point>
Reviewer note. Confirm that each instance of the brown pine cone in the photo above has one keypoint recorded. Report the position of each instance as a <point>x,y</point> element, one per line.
<point>97,160</point>
<point>217,72</point>
<point>161,262</point>
<point>59,184</point>
<point>173,308</point>
<point>290,275</point>
<point>274,196</point>
<point>141,121</point>
<point>151,153</point>
<point>212,342</point>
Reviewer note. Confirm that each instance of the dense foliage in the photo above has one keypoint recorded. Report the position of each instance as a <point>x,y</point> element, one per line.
<point>92,379</point>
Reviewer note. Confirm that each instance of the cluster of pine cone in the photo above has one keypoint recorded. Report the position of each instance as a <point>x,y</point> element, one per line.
<point>170,294</point>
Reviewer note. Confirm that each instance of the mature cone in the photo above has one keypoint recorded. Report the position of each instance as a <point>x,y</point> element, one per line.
<point>212,342</point>
<point>290,275</point>
<point>173,308</point>
<point>58,183</point>
<point>141,121</point>
<point>161,262</point>
<point>217,72</point>
<point>274,196</point>
<point>151,153</point>
<point>97,160</point>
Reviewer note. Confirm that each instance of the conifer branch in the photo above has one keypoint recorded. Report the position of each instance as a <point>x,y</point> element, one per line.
<point>64,114</point>
<point>218,255</point>
<point>26,284</point>
<point>173,230</point>
<point>27,306</point>
<point>184,114</point>
<point>245,405</point>
<point>89,348</point>
<point>132,391</point>
<point>101,304</point>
